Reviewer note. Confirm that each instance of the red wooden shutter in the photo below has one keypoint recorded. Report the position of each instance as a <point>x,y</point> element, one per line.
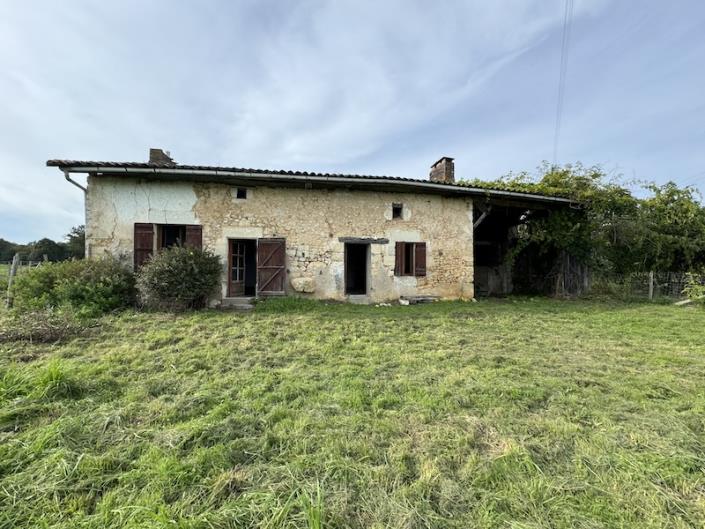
<point>271,266</point>
<point>399,258</point>
<point>194,236</point>
<point>144,243</point>
<point>420,259</point>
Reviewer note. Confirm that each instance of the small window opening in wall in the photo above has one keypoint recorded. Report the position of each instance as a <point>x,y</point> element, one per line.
<point>397,210</point>
<point>241,192</point>
<point>410,259</point>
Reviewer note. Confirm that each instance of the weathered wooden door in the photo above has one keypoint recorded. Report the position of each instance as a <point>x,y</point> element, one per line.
<point>271,266</point>
<point>237,268</point>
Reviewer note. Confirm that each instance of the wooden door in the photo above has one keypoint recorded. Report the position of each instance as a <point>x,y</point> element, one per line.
<point>237,268</point>
<point>271,266</point>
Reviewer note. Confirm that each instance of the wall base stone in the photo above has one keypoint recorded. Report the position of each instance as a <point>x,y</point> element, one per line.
<point>304,285</point>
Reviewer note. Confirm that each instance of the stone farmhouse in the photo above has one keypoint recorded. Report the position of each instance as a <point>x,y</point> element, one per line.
<point>328,236</point>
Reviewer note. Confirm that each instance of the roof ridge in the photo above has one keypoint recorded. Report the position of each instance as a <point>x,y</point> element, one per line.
<point>95,166</point>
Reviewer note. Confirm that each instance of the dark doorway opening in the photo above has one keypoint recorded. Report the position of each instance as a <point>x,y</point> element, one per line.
<point>356,268</point>
<point>242,263</point>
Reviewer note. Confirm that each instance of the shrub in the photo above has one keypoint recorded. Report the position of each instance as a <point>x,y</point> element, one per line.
<point>695,289</point>
<point>179,278</point>
<point>90,287</point>
<point>47,325</point>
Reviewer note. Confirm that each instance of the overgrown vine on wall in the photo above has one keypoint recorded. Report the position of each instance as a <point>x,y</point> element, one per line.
<point>607,226</point>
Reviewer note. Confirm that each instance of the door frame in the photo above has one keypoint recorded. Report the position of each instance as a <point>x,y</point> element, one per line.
<point>368,254</point>
<point>231,240</point>
<point>256,241</point>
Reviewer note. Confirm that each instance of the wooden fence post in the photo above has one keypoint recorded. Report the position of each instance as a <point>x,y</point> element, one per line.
<point>651,285</point>
<point>13,271</point>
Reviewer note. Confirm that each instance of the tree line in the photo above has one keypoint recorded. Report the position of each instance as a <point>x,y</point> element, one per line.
<point>72,247</point>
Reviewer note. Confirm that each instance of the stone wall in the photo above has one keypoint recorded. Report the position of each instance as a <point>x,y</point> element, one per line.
<point>311,221</point>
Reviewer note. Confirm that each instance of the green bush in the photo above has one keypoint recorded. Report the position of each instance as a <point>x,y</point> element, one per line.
<point>695,289</point>
<point>91,287</point>
<point>179,278</point>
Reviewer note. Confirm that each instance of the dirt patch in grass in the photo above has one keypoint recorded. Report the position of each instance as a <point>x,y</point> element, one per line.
<point>520,413</point>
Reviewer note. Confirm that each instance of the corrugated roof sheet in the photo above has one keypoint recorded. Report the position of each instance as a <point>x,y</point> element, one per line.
<point>146,165</point>
<point>96,165</point>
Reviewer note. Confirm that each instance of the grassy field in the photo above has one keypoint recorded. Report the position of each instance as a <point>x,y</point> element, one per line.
<point>507,414</point>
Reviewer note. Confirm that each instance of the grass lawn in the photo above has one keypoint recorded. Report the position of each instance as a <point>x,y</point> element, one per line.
<point>509,414</point>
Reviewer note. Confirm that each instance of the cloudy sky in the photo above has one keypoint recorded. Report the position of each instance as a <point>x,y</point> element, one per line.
<point>346,86</point>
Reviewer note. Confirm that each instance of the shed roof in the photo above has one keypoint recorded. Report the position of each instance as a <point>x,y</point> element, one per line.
<point>288,178</point>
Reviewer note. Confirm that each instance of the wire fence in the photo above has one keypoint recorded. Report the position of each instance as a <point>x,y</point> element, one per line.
<point>6,266</point>
<point>644,285</point>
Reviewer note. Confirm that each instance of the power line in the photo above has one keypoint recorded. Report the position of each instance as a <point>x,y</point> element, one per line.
<point>700,176</point>
<point>563,70</point>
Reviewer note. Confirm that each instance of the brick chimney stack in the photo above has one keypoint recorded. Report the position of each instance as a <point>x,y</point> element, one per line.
<point>159,157</point>
<point>443,171</point>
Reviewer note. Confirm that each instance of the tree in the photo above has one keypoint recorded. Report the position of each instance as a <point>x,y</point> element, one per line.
<point>675,228</point>
<point>75,245</point>
<point>7,250</point>
<point>53,250</point>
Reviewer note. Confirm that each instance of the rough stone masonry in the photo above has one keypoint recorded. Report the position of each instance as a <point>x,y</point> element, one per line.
<point>311,220</point>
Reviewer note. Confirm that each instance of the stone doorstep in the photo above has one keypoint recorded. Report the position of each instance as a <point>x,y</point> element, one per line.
<point>358,299</point>
<point>413,300</point>
<point>238,303</point>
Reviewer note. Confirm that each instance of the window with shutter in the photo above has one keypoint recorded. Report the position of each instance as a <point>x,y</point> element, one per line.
<point>410,259</point>
<point>168,235</point>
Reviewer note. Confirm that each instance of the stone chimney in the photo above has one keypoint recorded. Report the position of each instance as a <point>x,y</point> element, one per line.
<point>159,157</point>
<point>443,171</point>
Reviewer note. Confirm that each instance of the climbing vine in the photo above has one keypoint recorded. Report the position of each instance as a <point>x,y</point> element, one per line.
<point>607,226</point>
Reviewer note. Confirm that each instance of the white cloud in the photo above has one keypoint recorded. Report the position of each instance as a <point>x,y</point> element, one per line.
<point>341,78</point>
<point>359,86</point>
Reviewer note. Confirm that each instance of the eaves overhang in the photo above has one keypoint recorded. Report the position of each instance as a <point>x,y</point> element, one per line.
<point>263,177</point>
